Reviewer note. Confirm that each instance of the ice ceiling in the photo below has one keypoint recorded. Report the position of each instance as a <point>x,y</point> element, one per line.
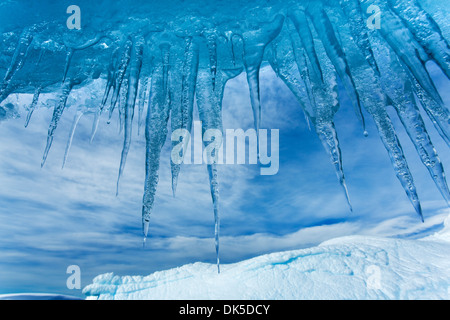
<point>166,54</point>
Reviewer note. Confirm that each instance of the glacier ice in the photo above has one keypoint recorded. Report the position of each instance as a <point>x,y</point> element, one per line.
<point>168,57</point>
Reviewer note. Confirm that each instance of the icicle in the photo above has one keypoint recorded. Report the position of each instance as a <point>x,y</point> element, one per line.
<point>255,41</point>
<point>425,31</point>
<point>133,83</point>
<point>209,103</point>
<point>392,145</point>
<point>110,83</point>
<point>182,111</point>
<point>285,63</point>
<point>17,61</point>
<point>75,121</point>
<point>370,90</point>
<point>213,181</point>
<point>436,110</point>
<point>57,113</point>
<point>415,127</point>
<point>119,74</point>
<point>155,136</point>
<point>321,97</point>
<point>399,89</point>
<point>328,135</point>
<point>288,61</point>
<point>335,53</point>
<point>358,29</point>
<point>69,55</point>
<point>298,17</point>
<point>326,105</point>
<point>34,102</point>
<point>19,55</point>
<point>407,49</point>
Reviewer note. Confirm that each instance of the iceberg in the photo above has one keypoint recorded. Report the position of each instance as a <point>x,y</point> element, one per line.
<point>167,57</point>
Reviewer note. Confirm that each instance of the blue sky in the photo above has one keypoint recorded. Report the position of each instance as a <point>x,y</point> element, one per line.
<point>52,218</point>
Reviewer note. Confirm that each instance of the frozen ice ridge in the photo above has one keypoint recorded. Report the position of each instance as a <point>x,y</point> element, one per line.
<point>353,267</point>
<point>162,56</point>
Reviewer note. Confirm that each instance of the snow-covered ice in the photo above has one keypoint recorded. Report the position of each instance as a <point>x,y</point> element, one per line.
<point>353,267</point>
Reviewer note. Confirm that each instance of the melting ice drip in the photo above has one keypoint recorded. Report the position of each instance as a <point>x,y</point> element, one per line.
<point>165,54</point>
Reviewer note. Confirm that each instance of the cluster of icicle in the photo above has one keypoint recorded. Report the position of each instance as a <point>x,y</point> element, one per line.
<point>311,45</point>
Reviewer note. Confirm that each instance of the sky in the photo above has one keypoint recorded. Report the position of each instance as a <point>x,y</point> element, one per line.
<point>52,218</point>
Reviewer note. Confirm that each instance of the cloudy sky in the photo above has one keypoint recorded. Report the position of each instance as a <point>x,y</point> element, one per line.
<point>52,218</point>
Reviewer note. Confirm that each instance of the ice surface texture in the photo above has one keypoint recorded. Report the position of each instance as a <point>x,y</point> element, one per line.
<point>168,54</point>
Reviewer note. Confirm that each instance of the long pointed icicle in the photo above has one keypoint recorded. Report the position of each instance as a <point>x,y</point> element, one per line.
<point>34,102</point>
<point>328,135</point>
<point>325,106</point>
<point>155,135</point>
<point>415,127</point>
<point>292,69</point>
<point>213,180</point>
<point>57,113</point>
<point>75,121</point>
<point>425,30</point>
<point>182,111</point>
<point>19,54</point>
<point>209,103</point>
<point>392,145</point>
<point>133,83</point>
<point>335,53</point>
<point>255,42</point>
<point>210,113</point>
